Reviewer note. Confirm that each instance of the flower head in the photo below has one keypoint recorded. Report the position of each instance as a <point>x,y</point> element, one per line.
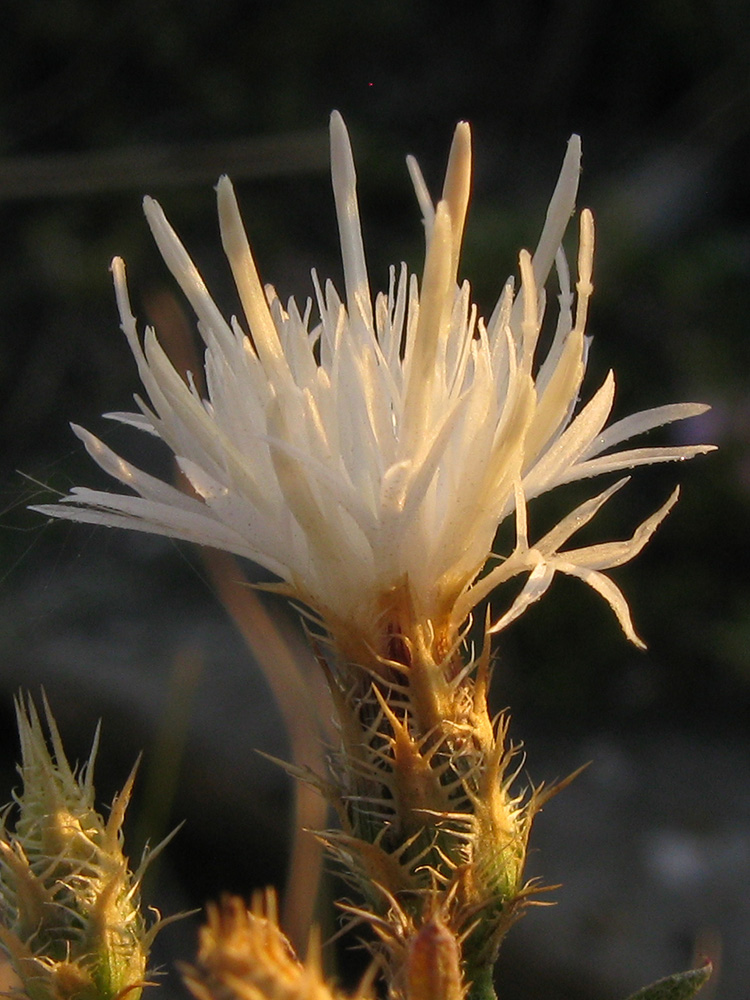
<point>368,458</point>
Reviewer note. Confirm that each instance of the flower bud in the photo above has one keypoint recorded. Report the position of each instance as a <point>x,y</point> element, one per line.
<point>70,921</point>
<point>433,965</point>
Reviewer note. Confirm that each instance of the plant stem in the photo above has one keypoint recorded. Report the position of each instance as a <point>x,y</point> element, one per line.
<point>483,987</point>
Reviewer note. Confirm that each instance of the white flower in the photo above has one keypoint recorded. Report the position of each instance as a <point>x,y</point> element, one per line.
<point>367,459</point>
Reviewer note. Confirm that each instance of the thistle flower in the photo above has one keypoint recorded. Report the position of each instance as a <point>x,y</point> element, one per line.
<point>70,920</point>
<point>367,459</point>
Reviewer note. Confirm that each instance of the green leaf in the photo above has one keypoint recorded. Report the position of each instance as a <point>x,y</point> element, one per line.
<point>680,986</point>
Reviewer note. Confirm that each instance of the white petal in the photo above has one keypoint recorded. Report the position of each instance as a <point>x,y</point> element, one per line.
<point>141,482</point>
<point>114,510</point>
<point>607,555</point>
<point>457,186</point>
<point>252,296</point>
<point>423,196</point>
<point>138,420</point>
<point>184,270</point>
<point>577,519</point>
<point>560,209</point>
<point>611,594</point>
<point>639,423</point>
<point>347,211</point>
<point>429,333</point>
<point>554,467</point>
<point>535,587</point>
<point>631,459</point>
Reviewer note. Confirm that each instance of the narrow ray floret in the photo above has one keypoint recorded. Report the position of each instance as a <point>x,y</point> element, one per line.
<point>368,458</point>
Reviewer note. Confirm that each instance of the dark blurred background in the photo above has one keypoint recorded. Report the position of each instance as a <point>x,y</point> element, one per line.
<point>100,104</point>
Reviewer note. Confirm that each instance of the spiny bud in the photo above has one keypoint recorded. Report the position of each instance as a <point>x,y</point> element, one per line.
<point>70,920</point>
<point>244,955</point>
<point>433,966</point>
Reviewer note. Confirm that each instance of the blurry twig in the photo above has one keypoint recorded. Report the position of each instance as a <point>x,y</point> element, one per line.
<point>141,167</point>
<point>302,721</point>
